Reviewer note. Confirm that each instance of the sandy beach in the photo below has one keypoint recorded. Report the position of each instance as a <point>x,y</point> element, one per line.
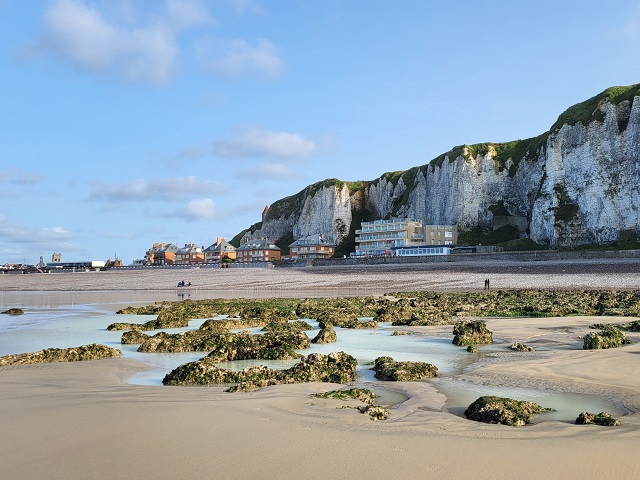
<point>83,420</point>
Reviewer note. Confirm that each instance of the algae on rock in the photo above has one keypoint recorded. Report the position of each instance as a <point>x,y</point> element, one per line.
<point>506,411</point>
<point>388,369</point>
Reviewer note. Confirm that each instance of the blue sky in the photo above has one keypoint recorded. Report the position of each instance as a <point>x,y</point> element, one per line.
<point>128,122</point>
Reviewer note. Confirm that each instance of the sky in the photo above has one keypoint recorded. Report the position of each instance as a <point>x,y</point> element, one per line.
<point>129,122</point>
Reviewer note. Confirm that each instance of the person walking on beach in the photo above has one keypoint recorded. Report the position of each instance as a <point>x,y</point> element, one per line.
<point>486,284</point>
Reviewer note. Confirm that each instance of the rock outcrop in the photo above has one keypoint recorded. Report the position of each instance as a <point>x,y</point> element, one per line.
<point>578,183</point>
<point>388,369</point>
<point>13,311</point>
<point>337,367</point>
<point>133,337</point>
<point>507,411</point>
<point>521,347</point>
<point>472,333</point>
<point>226,346</point>
<point>603,418</point>
<point>51,355</point>
<point>325,335</point>
<point>609,336</point>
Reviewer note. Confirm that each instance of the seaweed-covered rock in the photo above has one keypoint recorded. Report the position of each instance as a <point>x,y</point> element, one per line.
<point>133,337</point>
<point>507,411</point>
<point>51,355</point>
<point>337,367</point>
<point>375,412</point>
<point>388,369</point>
<point>325,335</point>
<point>473,332</point>
<point>633,326</point>
<point>472,349</point>
<point>521,347</point>
<point>397,333</point>
<point>363,394</point>
<point>609,337</point>
<point>13,311</point>
<point>603,418</point>
<point>298,325</point>
<point>224,345</point>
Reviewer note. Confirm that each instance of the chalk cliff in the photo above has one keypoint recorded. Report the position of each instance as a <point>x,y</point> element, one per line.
<point>578,183</point>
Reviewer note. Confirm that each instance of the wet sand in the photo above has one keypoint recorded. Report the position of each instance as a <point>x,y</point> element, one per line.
<point>83,420</point>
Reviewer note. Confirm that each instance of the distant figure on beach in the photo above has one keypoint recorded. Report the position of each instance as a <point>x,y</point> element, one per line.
<point>486,284</point>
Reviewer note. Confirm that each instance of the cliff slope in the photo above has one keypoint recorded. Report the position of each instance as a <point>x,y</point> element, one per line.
<point>577,183</point>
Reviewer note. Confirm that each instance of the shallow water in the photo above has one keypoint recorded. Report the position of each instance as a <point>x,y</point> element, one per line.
<point>73,325</point>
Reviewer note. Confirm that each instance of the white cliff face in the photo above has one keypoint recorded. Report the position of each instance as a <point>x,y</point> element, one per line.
<point>327,212</point>
<point>582,187</point>
<point>595,171</point>
<point>382,194</point>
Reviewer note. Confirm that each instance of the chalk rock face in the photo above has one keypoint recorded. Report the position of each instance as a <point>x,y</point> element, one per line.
<point>591,192</point>
<point>52,355</point>
<point>578,183</point>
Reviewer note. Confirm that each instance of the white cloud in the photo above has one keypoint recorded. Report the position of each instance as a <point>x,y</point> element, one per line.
<point>239,58</point>
<point>167,189</point>
<point>80,33</point>
<point>201,209</point>
<point>247,142</point>
<point>12,232</point>
<point>17,177</point>
<point>270,171</point>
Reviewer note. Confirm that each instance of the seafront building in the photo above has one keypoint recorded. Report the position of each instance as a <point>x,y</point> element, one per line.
<point>219,251</point>
<point>258,250</point>
<point>311,247</point>
<point>190,254</point>
<point>161,254</point>
<point>404,237</point>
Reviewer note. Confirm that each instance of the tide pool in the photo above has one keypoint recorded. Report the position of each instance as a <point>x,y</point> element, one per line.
<point>73,325</point>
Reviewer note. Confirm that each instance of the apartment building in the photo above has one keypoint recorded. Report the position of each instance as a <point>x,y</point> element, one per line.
<point>385,237</point>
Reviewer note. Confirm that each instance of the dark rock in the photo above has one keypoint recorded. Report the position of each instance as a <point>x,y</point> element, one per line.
<point>609,337</point>
<point>388,369</point>
<point>13,311</point>
<point>337,367</point>
<point>507,411</point>
<point>472,349</point>
<point>298,325</point>
<point>224,345</point>
<point>472,333</point>
<point>51,355</point>
<point>602,418</point>
<point>521,347</point>
<point>133,337</point>
<point>363,394</point>
<point>325,335</point>
<point>375,412</point>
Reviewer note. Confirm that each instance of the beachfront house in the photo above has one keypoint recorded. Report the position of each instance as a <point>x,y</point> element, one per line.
<point>161,254</point>
<point>310,247</point>
<point>258,250</point>
<point>190,254</point>
<point>218,251</point>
